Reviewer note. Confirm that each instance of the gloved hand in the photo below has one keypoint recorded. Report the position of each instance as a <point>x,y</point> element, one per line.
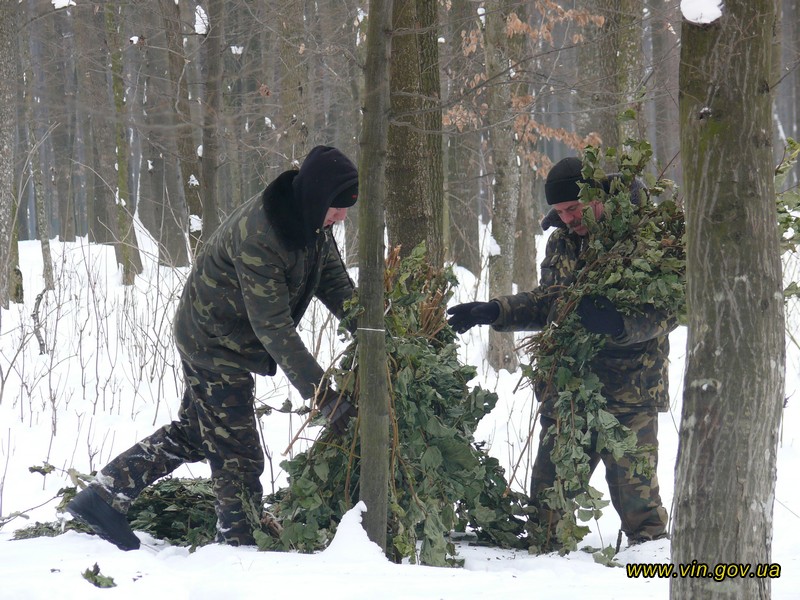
<point>599,315</point>
<point>337,409</point>
<point>470,314</point>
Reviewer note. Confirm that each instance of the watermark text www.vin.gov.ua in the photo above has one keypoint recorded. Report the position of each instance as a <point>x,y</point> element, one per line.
<point>718,572</point>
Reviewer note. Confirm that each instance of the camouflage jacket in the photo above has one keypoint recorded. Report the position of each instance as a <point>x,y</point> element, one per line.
<point>252,282</point>
<point>632,367</point>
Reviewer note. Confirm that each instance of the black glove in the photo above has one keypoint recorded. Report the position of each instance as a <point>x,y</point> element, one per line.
<point>337,409</point>
<point>471,314</point>
<point>599,315</point>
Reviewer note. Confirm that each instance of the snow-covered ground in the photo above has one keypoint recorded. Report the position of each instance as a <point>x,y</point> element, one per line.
<point>109,378</point>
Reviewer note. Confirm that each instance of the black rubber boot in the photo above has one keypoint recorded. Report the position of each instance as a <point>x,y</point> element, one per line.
<point>105,521</point>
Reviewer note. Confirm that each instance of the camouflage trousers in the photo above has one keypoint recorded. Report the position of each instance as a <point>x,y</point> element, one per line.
<point>216,423</point>
<point>635,496</point>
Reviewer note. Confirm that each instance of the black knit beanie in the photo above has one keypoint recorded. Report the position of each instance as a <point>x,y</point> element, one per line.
<point>562,181</point>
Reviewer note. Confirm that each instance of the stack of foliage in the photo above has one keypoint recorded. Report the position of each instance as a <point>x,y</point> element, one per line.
<point>635,256</point>
<point>178,510</point>
<point>439,479</point>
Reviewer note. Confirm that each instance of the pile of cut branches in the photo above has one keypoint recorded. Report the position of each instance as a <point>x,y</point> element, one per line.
<point>439,479</point>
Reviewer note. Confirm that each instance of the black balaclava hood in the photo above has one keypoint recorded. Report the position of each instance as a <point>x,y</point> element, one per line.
<point>326,178</point>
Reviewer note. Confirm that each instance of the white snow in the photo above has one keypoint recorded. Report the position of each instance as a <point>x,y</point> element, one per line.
<point>701,11</point>
<point>106,383</point>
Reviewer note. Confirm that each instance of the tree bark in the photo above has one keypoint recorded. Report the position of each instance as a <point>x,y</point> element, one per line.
<point>463,145</point>
<point>191,171</point>
<point>734,382</point>
<point>414,169</point>
<point>8,80</point>
<point>168,218</point>
<point>212,107</point>
<point>126,245</point>
<point>373,376</point>
<point>610,65</point>
<point>503,52</point>
<point>295,86</point>
<point>664,32</point>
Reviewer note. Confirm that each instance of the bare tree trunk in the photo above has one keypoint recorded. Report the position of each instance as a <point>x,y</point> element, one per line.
<point>33,164</point>
<point>611,71</point>
<point>97,117</point>
<point>503,52</point>
<point>8,80</point>
<point>735,365</point>
<point>431,92</point>
<point>212,107</point>
<point>414,164</point>
<point>295,89</point>
<point>526,268</point>
<point>60,98</point>
<point>187,146</point>
<point>665,31</point>
<point>373,376</point>
<point>162,179</point>
<point>126,245</point>
<point>462,180</point>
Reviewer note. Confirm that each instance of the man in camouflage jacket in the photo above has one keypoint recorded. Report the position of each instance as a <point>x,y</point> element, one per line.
<point>632,365</point>
<point>245,295</point>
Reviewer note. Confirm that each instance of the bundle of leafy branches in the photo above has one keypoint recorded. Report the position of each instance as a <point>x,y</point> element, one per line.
<point>439,479</point>
<point>177,510</point>
<point>635,257</point>
<point>788,204</point>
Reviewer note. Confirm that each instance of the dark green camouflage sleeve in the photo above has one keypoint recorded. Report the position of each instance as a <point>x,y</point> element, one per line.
<point>645,324</point>
<point>335,286</point>
<point>526,311</point>
<point>262,274</point>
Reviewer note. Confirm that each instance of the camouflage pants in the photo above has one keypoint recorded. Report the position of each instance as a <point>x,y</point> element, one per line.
<point>215,422</point>
<point>635,496</point>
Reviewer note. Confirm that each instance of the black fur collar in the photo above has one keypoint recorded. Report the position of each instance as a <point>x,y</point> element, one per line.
<point>283,213</point>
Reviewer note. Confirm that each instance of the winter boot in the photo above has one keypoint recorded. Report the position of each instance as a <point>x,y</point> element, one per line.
<point>108,523</point>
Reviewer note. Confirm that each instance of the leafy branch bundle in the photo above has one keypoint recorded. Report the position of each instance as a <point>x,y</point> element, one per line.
<point>635,256</point>
<point>439,479</point>
<point>788,204</point>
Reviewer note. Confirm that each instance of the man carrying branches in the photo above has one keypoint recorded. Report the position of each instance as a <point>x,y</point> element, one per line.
<point>629,352</point>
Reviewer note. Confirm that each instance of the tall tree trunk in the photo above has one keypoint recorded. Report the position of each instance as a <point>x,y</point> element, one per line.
<point>414,165</point>
<point>212,107</point>
<point>42,126</point>
<point>32,170</point>
<point>665,31</point>
<point>527,228</point>
<point>611,70</point>
<point>97,117</point>
<point>60,97</point>
<point>187,145</point>
<point>463,146</point>
<point>431,94</point>
<point>734,382</point>
<point>126,244</point>
<point>503,52</point>
<point>168,222</point>
<point>8,80</point>
<point>373,376</point>
<point>296,88</point>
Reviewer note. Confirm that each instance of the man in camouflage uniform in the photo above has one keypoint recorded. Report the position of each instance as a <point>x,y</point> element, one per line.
<point>632,365</point>
<point>247,291</point>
